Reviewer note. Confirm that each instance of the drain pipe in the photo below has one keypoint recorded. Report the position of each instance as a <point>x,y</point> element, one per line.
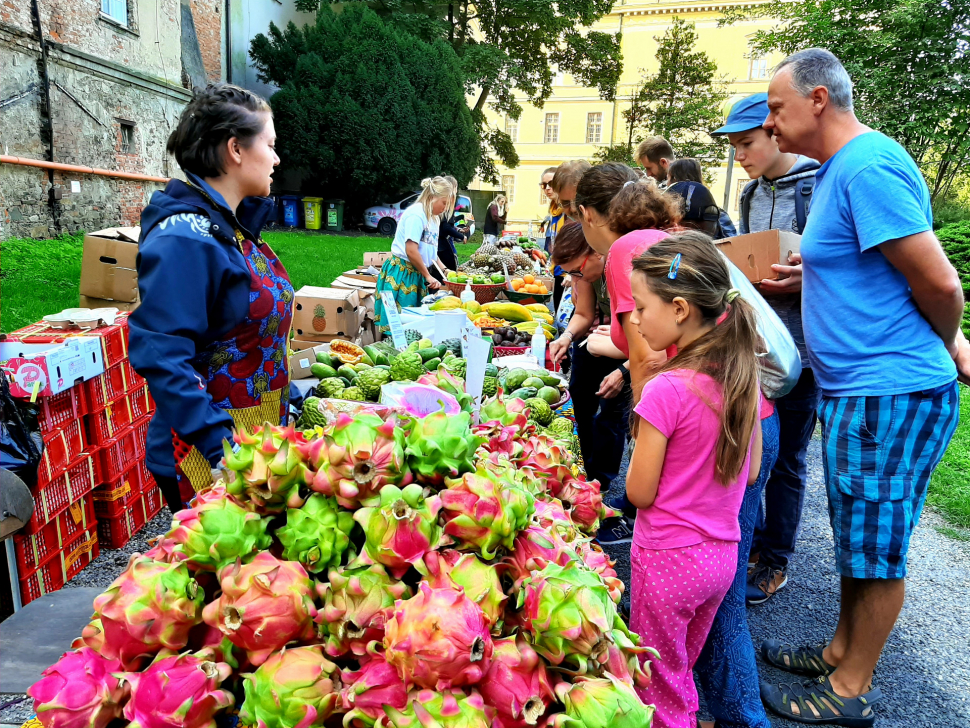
<point>46,95</point>
<point>79,169</point>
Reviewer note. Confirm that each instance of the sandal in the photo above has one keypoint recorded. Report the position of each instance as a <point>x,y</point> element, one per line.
<point>799,660</point>
<point>814,702</point>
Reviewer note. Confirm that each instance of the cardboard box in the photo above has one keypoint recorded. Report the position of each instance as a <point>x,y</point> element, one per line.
<point>88,302</point>
<point>108,264</point>
<point>302,360</point>
<point>376,259</point>
<point>325,312</point>
<point>49,369</point>
<point>365,285</point>
<point>755,253</point>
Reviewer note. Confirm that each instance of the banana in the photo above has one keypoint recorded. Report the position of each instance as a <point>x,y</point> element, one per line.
<point>508,311</point>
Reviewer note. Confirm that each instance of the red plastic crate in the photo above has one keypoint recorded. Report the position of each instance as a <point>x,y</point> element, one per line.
<point>115,533</point>
<point>52,499</point>
<point>142,403</point>
<point>60,448</point>
<point>135,379</point>
<point>60,567</point>
<point>119,453</point>
<point>110,422</point>
<point>33,548</point>
<point>141,430</point>
<point>108,387</point>
<point>60,409</point>
<point>116,496</point>
<point>153,501</point>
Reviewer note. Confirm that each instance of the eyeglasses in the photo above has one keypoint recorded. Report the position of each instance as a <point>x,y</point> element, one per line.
<point>543,185</point>
<point>578,273</point>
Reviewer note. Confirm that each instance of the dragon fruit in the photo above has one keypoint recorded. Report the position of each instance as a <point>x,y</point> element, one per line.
<point>264,605</point>
<point>215,532</point>
<point>599,561</point>
<point>482,513</point>
<point>440,446</point>
<point>367,690</point>
<point>551,515</point>
<point>178,691</point>
<point>438,639</point>
<point>545,453</point>
<point>400,530</point>
<point>296,687</point>
<point>316,535</point>
<point>436,709</point>
<point>357,457</point>
<point>211,644</point>
<point>479,581</point>
<point>151,606</point>
<point>604,702</point>
<point>354,607</point>
<point>623,658</point>
<point>517,684</point>
<point>535,548</point>
<point>447,382</point>
<point>507,412</point>
<point>585,503</point>
<point>499,467</point>
<point>269,469</point>
<point>80,691</point>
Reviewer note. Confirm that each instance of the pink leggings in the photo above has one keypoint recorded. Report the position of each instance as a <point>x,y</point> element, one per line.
<point>674,596</point>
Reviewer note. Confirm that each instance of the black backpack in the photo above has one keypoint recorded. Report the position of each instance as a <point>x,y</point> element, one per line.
<point>803,202</point>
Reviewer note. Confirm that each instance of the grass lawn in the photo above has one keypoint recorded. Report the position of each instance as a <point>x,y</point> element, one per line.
<point>38,277</point>
<point>950,487</point>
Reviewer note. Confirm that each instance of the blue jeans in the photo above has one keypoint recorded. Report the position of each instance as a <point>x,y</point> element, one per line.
<point>779,516</point>
<point>726,670</point>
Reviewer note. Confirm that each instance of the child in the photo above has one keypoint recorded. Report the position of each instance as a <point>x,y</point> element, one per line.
<point>414,250</point>
<point>698,446</point>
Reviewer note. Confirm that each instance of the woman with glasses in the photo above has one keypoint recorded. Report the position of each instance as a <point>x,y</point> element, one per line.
<point>555,219</point>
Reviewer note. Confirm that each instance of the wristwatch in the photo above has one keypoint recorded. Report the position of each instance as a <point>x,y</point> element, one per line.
<point>625,373</point>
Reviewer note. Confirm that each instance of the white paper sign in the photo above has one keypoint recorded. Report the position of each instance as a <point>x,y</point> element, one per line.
<point>476,355</point>
<point>468,331</point>
<point>394,319</point>
<point>449,325</point>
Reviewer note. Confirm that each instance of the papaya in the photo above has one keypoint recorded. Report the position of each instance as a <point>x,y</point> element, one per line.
<point>324,358</point>
<point>446,304</point>
<point>543,316</point>
<point>524,393</point>
<point>322,371</point>
<point>507,310</point>
<point>347,372</point>
<point>432,352</point>
<point>538,307</point>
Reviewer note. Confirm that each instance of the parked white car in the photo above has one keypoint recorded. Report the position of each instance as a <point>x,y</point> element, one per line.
<point>383,218</point>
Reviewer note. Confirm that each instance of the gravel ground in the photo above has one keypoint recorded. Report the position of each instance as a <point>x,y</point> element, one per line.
<point>924,672</point>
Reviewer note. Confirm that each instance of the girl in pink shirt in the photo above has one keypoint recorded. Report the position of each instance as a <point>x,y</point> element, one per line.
<point>698,446</point>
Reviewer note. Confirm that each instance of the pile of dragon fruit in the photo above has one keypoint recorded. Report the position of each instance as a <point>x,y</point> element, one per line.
<point>389,571</point>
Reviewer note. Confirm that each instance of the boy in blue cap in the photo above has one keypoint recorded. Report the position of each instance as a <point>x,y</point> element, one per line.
<point>778,197</point>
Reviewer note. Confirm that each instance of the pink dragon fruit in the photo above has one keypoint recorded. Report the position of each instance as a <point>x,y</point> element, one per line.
<point>294,688</point>
<point>447,382</point>
<point>625,658</point>
<point>507,412</point>
<point>264,605</point>
<point>517,684</point>
<point>585,503</point>
<point>215,532</point>
<point>270,473</point>
<point>440,446</point>
<point>357,457</point>
<point>400,530</point>
<point>151,606</point>
<point>316,535</point>
<point>500,467</point>
<point>164,549</point>
<point>437,709</point>
<point>600,703</point>
<point>535,548</point>
<point>483,514</point>
<point>211,644</point>
<point>438,639</point>
<point>545,453</point>
<point>179,691</point>
<point>368,690</point>
<point>79,691</point>
<point>479,581</point>
<point>355,604</point>
<point>551,515</point>
<point>596,559</point>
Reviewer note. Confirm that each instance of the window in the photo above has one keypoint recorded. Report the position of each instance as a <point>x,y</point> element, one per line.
<point>512,128</point>
<point>508,186</point>
<point>116,10</point>
<point>463,204</point>
<point>552,129</point>
<point>594,128</point>
<point>757,69</point>
<point>407,201</point>
<point>737,197</point>
<point>127,138</point>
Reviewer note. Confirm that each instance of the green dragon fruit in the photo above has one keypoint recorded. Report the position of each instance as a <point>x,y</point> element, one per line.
<point>400,530</point>
<point>508,412</point>
<point>599,561</point>
<point>440,446</point>
<point>316,535</point>
<point>269,470</point>
<point>545,453</point>
<point>81,690</point>
<point>500,467</point>
<point>297,687</point>
<point>356,458</point>
<point>551,514</point>
<point>438,639</point>
<point>177,691</point>
<point>517,684</point>
<point>264,605</point>
<point>151,606</point>
<point>480,581</point>
<point>604,702</point>
<point>483,513</point>
<point>354,607</point>
<point>370,689</point>
<point>436,709</point>
<point>215,532</point>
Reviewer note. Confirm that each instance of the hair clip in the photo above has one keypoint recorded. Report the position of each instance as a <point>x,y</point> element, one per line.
<point>629,182</point>
<point>732,294</point>
<point>674,268</point>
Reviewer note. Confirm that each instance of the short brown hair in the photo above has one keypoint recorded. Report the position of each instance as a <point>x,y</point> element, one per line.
<point>569,173</point>
<point>599,185</point>
<point>215,114</point>
<point>687,169</point>
<point>570,244</point>
<point>655,148</point>
<point>642,206</point>
<point>547,170</point>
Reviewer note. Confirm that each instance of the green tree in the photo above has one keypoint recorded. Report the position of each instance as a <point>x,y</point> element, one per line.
<point>365,107</point>
<point>908,60</point>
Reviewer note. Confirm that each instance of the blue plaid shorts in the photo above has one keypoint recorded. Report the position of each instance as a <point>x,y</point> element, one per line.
<point>878,454</point>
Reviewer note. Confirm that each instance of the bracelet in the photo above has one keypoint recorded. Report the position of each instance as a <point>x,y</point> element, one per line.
<point>569,333</point>
<point>624,372</point>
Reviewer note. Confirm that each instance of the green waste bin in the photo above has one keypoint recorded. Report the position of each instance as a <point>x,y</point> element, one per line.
<point>335,215</point>
<point>313,213</point>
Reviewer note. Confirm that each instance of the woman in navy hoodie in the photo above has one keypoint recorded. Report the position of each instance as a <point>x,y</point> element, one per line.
<point>210,335</point>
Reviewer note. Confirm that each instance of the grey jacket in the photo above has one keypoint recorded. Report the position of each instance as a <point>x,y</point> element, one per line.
<point>773,208</point>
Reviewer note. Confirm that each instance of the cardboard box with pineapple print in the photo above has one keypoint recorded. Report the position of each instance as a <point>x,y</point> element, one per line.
<point>320,314</point>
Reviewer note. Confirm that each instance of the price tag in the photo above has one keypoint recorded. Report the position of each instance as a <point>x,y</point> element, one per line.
<point>468,331</point>
<point>476,352</point>
<point>394,319</point>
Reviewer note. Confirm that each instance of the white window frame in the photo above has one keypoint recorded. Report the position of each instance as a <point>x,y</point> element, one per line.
<point>594,127</point>
<point>512,128</point>
<point>550,133</point>
<point>757,68</point>
<point>117,10</point>
<point>508,187</point>
<point>742,183</point>
<point>127,146</point>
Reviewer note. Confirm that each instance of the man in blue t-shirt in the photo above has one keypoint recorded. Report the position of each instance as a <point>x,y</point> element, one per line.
<point>881,310</point>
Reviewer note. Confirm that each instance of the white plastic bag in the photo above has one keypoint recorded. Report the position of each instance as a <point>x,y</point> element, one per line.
<point>565,310</point>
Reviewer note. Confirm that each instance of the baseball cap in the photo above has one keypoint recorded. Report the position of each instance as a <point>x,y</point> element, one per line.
<point>748,113</point>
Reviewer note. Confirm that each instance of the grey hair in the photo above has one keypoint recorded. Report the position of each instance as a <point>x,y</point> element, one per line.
<point>814,67</point>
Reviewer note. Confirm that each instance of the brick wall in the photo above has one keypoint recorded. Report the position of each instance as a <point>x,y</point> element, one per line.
<point>16,13</point>
<point>207,15</point>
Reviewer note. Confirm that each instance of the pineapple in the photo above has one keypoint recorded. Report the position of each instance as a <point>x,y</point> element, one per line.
<point>508,260</point>
<point>522,260</point>
<point>319,318</point>
<point>478,260</point>
<point>488,249</point>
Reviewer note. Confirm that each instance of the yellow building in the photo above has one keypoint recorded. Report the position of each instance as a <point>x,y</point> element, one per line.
<point>575,122</point>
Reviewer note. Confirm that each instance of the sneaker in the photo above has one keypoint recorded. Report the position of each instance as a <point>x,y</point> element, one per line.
<point>615,530</point>
<point>763,583</point>
<point>753,561</point>
<point>620,504</point>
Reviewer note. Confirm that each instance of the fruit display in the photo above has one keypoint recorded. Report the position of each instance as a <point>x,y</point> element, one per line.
<point>387,571</point>
<point>510,336</point>
<point>492,260</point>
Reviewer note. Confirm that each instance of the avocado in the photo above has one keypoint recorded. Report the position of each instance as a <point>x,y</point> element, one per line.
<point>491,370</point>
<point>549,394</point>
<point>533,383</point>
<point>515,378</point>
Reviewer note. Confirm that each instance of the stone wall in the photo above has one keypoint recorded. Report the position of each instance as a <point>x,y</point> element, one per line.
<point>208,27</point>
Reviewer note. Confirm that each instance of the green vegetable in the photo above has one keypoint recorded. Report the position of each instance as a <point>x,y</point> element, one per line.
<point>524,393</point>
<point>431,365</point>
<point>433,352</point>
<point>324,358</point>
<point>347,372</point>
<point>322,371</point>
